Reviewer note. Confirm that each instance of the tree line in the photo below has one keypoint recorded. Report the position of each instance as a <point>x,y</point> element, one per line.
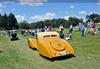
<point>53,22</point>
<point>10,22</point>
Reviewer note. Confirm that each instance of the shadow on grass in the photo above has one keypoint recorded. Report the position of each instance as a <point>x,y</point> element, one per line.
<point>34,49</point>
<point>56,58</point>
<point>1,51</point>
<point>15,40</point>
<point>59,58</point>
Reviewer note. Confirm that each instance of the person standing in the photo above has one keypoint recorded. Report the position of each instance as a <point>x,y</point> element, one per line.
<point>70,31</point>
<point>45,29</point>
<point>82,29</point>
<point>92,27</point>
<point>70,28</point>
<point>50,28</point>
<point>61,27</point>
<point>61,33</point>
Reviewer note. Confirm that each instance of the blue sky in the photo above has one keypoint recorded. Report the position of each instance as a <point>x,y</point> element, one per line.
<point>36,10</point>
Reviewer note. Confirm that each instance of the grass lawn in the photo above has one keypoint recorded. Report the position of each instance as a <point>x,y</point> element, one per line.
<point>17,54</point>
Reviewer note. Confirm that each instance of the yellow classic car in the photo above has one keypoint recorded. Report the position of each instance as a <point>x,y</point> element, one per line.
<point>50,45</point>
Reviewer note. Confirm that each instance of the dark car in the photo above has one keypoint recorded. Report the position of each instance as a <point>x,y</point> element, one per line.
<point>14,37</point>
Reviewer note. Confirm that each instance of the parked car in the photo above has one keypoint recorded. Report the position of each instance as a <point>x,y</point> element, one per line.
<point>13,35</point>
<point>50,45</point>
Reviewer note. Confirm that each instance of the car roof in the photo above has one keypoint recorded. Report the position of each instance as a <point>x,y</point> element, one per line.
<point>41,34</point>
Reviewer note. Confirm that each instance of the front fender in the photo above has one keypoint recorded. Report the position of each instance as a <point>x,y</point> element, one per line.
<point>32,43</point>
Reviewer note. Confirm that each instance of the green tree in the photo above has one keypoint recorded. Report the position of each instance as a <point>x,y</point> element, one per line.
<point>32,25</point>
<point>47,22</point>
<point>93,17</point>
<point>40,24</point>
<point>1,22</point>
<point>88,19</point>
<point>73,20</point>
<point>5,21</point>
<point>12,22</point>
<point>81,20</point>
<point>56,22</point>
<point>24,25</point>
